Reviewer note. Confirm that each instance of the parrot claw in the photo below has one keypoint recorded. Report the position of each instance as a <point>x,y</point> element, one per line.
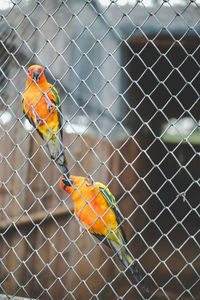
<point>90,182</point>
<point>38,120</point>
<point>50,105</point>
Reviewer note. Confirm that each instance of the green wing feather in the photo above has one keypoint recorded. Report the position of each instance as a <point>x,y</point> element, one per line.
<point>122,252</point>
<point>55,92</point>
<point>57,98</point>
<point>110,199</point>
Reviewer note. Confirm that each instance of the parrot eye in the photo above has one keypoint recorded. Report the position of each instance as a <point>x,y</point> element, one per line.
<point>29,72</point>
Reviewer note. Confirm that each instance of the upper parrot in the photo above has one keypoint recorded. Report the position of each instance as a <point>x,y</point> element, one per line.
<point>97,210</point>
<point>40,104</point>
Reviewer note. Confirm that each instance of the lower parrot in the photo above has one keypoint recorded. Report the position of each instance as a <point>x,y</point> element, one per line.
<point>40,104</point>
<point>97,210</point>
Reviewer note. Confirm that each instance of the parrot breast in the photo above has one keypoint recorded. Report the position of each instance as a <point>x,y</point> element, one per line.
<point>35,106</point>
<point>36,101</point>
<point>98,217</point>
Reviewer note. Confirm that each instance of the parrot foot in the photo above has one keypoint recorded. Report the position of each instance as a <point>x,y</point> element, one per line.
<point>90,182</point>
<point>50,105</point>
<point>38,120</point>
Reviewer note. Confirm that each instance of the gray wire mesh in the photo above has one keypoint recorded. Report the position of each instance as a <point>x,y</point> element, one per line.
<point>128,77</point>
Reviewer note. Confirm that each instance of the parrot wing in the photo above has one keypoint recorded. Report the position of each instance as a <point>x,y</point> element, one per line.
<point>51,145</point>
<point>57,103</point>
<point>55,92</point>
<point>118,247</point>
<point>110,199</point>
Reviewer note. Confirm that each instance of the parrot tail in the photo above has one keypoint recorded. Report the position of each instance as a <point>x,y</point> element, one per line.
<point>57,153</point>
<point>128,261</point>
<point>134,271</point>
<point>62,163</point>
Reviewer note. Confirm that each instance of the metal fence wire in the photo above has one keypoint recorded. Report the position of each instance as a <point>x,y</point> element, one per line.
<point>128,74</point>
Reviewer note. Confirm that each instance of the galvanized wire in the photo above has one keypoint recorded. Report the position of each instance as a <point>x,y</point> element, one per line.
<point>89,53</point>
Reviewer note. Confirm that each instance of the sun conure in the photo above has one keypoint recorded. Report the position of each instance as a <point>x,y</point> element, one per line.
<point>98,211</point>
<point>41,105</point>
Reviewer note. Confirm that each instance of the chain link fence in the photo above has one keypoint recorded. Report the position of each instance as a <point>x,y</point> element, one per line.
<point>128,77</point>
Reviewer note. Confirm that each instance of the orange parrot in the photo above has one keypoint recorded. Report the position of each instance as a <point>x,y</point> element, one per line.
<point>41,106</point>
<point>97,210</point>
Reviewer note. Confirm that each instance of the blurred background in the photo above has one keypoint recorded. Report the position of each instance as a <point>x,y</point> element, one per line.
<point>127,73</point>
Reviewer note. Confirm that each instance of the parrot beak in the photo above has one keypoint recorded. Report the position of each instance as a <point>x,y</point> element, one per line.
<point>36,75</point>
<point>66,182</point>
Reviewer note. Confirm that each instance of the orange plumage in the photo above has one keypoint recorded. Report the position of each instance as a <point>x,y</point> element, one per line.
<point>97,209</point>
<point>37,100</point>
<point>91,208</point>
<point>41,105</point>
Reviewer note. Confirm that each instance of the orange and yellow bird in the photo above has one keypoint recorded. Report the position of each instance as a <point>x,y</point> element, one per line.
<point>97,210</point>
<point>41,105</point>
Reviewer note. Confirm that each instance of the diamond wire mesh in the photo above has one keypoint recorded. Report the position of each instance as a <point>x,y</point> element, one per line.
<point>128,78</point>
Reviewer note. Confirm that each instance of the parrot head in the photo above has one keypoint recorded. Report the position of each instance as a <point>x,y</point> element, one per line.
<point>36,72</point>
<point>79,182</point>
<point>66,183</point>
